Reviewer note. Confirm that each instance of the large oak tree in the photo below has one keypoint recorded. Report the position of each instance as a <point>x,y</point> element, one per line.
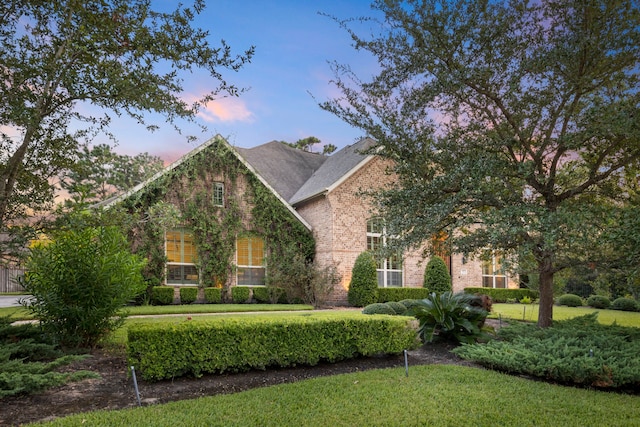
<point>68,67</point>
<point>514,124</point>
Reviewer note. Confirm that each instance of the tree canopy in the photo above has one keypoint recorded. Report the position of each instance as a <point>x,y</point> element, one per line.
<point>514,125</point>
<point>64,60</point>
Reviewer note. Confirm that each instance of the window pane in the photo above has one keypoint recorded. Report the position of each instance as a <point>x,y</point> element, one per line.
<point>500,282</point>
<point>487,282</point>
<point>182,274</point>
<point>173,246</point>
<point>380,278</point>
<point>257,251</point>
<point>251,276</point>
<point>394,279</point>
<point>243,251</point>
<point>218,194</point>
<point>188,249</point>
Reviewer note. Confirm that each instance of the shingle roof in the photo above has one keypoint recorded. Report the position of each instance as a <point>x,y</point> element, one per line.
<point>285,168</point>
<point>336,168</point>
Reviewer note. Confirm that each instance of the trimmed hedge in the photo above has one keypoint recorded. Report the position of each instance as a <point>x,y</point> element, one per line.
<point>598,301</point>
<point>269,295</point>
<point>240,294</point>
<point>213,295</point>
<point>399,294</point>
<point>188,295</point>
<point>162,295</point>
<point>379,308</point>
<point>624,304</point>
<point>570,300</point>
<point>363,288</point>
<point>162,351</point>
<point>503,295</point>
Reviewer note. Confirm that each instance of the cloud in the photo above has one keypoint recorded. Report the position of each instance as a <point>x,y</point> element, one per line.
<point>226,110</point>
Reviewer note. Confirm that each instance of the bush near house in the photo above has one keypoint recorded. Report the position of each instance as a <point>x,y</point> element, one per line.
<point>363,289</point>
<point>212,295</point>
<point>503,295</point>
<point>188,295</point>
<point>162,295</point>
<point>379,308</point>
<point>598,301</point>
<point>570,300</point>
<point>624,304</point>
<point>436,276</point>
<point>399,294</point>
<point>240,294</point>
<point>162,351</point>
<point>269,295</point>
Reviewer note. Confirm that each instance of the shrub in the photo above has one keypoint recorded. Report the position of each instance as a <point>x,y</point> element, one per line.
<point>570,300</point>
<point>598,301</point>
<point>79,281</point>
<point>503,295</point>
<point>322,283</point>
<point>436,276</point>
<point>624,304</point>
<point>399,294</point>
<point>577,351</point>
<point>409,303</point>
<point>212,295</point>
<point>399,308</point>
<point>449,317</point>
<point>240,294</point>
<point>269,295</point>
<point>162,351</point>
<point>379,308</point>
<point>162,295</point>
<point>188,295</point>
<point>363,289</point>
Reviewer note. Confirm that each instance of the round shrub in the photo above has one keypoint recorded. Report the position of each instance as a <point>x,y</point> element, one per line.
<point>162,295</point>
<point>598,301</point>
<point>188,295</point>
<point>570,300</point>
<point>409,303</point>
<point>363,289</point>
<point>624,304</point>
<point>436,276</point>
<point>399,308</point>
<point>379,308</point>
<point>213,295</point>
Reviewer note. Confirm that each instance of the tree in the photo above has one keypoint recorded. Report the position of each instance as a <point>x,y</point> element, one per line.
<point>436,276</point>
<point>363,288</point>
<point>306,144</point>
<point>99,173</point>
<point>513,125</point>
<point>121,57</point>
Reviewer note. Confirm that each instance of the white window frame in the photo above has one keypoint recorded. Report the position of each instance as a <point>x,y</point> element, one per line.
<point>493,273</point>
<point>385,265</point>
<point>218,193</point>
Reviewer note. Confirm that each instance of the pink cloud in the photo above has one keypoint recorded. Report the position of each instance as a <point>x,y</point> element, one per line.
<point>226,110</point>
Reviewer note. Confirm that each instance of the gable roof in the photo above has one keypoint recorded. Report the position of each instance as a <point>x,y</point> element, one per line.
<point>285,168</point>
<point>193,153</point>
<point>335,170</point>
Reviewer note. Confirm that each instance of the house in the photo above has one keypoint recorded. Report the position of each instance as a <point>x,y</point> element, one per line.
<point>226,216</point>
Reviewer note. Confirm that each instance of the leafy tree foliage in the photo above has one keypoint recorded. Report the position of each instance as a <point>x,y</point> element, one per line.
<point>100,173</point>
<point>436,276</point>
<point>120,57</point>
<point>79,281</point>
<point>363,288</point>
<point>514,124</point>
<point>306,144</point>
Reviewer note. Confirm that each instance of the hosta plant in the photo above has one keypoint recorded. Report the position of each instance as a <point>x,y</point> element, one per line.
<point>450,317</point>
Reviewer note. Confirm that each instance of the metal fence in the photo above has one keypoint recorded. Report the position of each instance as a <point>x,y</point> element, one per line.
<point>9,279</point>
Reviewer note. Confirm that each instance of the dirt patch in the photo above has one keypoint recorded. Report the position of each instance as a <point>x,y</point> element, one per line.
<point>115,389</point>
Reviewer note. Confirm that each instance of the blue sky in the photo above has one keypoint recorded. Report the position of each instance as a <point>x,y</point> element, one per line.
<point>293,46</point>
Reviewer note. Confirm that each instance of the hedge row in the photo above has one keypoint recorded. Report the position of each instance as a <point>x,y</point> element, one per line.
<point>164,295</point>
<point>161,351</point>
<point>503,295</point>
<point>399,294</point>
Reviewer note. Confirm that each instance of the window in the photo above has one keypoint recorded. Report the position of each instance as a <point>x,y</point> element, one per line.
<point>389,269</point>
<point>181,256</point>
<point>218,194</point>
<point>493,274</point>
<point>250,261</point>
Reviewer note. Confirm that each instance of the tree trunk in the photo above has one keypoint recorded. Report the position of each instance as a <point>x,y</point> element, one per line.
<point>545,313</point>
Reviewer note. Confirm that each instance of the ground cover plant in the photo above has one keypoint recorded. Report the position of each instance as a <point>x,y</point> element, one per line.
<point>439,397</point>
<point>28,361</point>
<point>578,351</point>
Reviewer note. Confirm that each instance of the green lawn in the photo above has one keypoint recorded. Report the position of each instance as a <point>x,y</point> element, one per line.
<point>432,395</point>
<point>529,312</point>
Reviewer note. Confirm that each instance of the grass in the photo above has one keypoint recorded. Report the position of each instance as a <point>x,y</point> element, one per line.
<point>529,312</point>
<point>433,395</point>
